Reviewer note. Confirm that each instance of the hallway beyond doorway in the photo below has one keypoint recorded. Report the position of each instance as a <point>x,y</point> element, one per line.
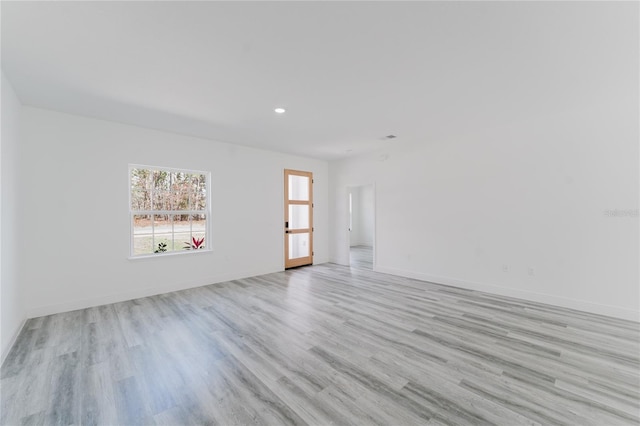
<point>361,257</point>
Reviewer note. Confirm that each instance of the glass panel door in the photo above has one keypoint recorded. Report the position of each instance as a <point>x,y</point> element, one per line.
<point>298,218</point>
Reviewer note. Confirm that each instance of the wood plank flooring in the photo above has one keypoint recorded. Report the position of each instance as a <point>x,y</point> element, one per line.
<point>323,345</point>
<point>361,257</point>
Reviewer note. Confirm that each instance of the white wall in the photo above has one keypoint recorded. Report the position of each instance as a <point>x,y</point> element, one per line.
<point>533,194</point>
<point>75,211</point>
<point>12,311</point>
<point>529,182</point>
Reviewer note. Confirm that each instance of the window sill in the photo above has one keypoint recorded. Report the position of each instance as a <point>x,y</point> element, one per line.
<point>171,253</point>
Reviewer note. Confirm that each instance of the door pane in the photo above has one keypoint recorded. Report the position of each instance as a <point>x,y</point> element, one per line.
<point>298,245</point>
<point>298,216</point>
<point>298,188</point>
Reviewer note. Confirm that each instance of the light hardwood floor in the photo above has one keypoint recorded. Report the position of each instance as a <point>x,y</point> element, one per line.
<point>323,345</point>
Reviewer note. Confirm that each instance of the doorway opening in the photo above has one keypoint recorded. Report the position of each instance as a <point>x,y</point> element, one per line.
<point>361,226</point>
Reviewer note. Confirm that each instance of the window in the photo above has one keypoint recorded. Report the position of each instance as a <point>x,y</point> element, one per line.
<point>169,210</point>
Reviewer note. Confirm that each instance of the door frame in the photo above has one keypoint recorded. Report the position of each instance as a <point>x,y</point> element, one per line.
<point>301,261</point>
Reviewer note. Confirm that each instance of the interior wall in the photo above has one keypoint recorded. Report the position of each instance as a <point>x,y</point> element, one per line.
<point>545,210</point>
<point>76,222</point>
<point>538,199</point>
<point>12,309</point>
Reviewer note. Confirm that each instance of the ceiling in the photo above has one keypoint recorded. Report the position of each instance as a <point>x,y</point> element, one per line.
<point>348,73</point>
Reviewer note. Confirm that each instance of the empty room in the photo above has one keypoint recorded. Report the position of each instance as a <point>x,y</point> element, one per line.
<point>320,213</point>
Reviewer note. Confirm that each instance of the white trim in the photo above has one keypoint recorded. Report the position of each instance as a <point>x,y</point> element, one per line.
<point>166,212</point>
<point>349,229</point>
<point>166,169</point>
<point>12,342</point>
<point>350,195</point>
<point>169,253</point>
<point>580,305</point>
<point>374,240</point>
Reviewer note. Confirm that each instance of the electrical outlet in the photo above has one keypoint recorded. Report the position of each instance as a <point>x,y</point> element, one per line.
<point>531,271</point>
<point>505,268</point>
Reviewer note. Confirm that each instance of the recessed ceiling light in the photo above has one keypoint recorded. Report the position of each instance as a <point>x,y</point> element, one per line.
<point>280,110</point>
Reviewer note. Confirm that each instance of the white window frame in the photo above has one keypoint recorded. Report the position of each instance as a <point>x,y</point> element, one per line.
<point>207,211</point>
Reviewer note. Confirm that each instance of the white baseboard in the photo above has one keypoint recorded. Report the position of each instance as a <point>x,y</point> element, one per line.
<point>580,305</point>
<point>6,350</point>
<point>40,311</point>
